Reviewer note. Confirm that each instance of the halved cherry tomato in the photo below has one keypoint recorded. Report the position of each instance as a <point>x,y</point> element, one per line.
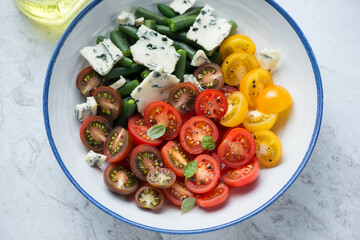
<point>237,65</point>
<point>214,197</point>
<point>183,96</point>
<point>256,121</point>
<point>194,130</point>
<point>241,176</point>
<point>109,102</point>
<point>138,130</point>
<point>253,83</point>
<point>226,90</point>
<point>236,43</point>
<point>93,132</point>
<point>118,144</point>
<point>273,99</point>
<point>268,148</point>
<point>206,176</point>
<point>87,81</point>
<point>177,193</point>
<point>211,103</point>
<point>238,148</point>
<point>209,76</point>
<point>175,157</point>
<point>143,158</point>
<point>149,197</point>
<point>163,113</point>
<point>119,179</point>
<point>237,110</point>
<point>161,178</point>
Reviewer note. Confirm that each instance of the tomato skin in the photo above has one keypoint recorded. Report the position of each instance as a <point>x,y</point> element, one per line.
<point>87,81</point>
<point>109,102</point>
<point>175,157</point>
<point>160,112</point>
<point>237,110</point>
<point>123,140</point>
<point>151,191</point>
<point>273,99</point>
<point>177,192</point>
<point>209,76</point>
<point>211,103</point>
<point>236,43</point>
<point>214,197</point>
<point>227,90</point>
<point>238,148</point>
<point>241,176</point>
<point>138,130</point>
<point>268,148</point>
<point>194,130</point>
<point>93,125</point>
<point>182,97</point>
<point>161,178</point>
<point>206,176</point>
<point>257,121</point>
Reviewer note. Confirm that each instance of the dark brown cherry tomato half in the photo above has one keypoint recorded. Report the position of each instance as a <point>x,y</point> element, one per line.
<point>143,158</point>
<point>118,144</point>
<point>175,157</point>
<point>177,193</point>
<point>238,148</point>
<point>226,90</point>
<point>209,76</point>
<point>119,179</point>
<point>194,130</point>
<point>163,113</point>
<point>241,176</point>
<point>94,131</point>
<point>183,96</point>
<point>161,178</point>
<point>109,102</point>
<point>138,130</point>
<point>206,176</point>
<point>215,197</point>
<point>149,197</point>
<point>87,81</point>
<point>211,103</point>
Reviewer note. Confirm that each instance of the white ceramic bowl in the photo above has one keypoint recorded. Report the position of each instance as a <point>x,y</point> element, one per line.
<point>269,26</point>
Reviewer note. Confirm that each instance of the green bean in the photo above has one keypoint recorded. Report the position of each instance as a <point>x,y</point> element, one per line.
<point>181,65</point>
<point>194,11</point>
<point>127,89</point>
<point>233,26</point>
<point>181,22</point>
<point>189,50</point>
<point>130,31</point>
<point>116,72</point>
<point>215,58</point>
<point>128,109</point>
<point>166,10</point>
<point>145,73</point>
<point>99,39</point>
<point>125,62</point>
<point>121,42</point>
<point>142,12</point>
<point>150,23</point>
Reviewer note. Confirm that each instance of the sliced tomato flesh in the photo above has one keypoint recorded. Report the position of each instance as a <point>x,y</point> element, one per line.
<point>211,103</point>
<point>183,96</point>
<point>109,102</point>
<point>138,130</point>
<point>118,144</point>
<point>94,131</point>
<point>209,76</point>
<point>87,81</point>
<point>214,197</point>
<point>175,157</point>
<point>177,193</point>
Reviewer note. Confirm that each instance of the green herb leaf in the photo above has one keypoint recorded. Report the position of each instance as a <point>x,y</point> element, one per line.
<point>208,143</point>
<point>156,131</point>
<point>190,169</point>
<point>187,204</point>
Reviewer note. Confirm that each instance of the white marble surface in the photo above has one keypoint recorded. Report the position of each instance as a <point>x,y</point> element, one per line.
<point>38,201</point>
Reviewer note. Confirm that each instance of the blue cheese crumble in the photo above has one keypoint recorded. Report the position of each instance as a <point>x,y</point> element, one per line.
<point>84,110</point>
<point>95,159</point>
<point>199,59</point>
<point>119,83</point>
<point>269,59</point>
<point>182,6</point>
<point>126,18</point>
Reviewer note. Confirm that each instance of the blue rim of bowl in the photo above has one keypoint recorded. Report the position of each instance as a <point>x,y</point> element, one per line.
<point>315,134</point>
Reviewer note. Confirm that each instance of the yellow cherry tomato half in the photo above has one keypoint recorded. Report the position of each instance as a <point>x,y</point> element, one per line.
<point>253,83</point>
<point>268,148</point>
<point>237,65</point>
<point>273,99</point>
<point>236,43</point>
<point>257,121</point>
<point>237,110</point>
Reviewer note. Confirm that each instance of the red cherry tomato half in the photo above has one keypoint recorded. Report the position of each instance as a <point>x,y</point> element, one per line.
<point>138,130</point>
<point>210,76</point>
<point>226,90</point>
<point>241,176</point>
<point>183,96</point>
<point>194,130</point>
<point>163,113</point>
<point>214,197</point>
<point>206,176</point>
<point>211,103</point>
<point>238,148</point>
<point>177,193</point>
<point>87,81</point>
<point>109,102</point>
<point>175,157</point>
<point>118,145</point>
<point>94,131</point>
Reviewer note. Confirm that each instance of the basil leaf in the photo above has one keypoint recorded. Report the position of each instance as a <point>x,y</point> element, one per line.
<point>156,131</point>
<point>190,169</point>
<point>208,143</point>
<point>187,204</point>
